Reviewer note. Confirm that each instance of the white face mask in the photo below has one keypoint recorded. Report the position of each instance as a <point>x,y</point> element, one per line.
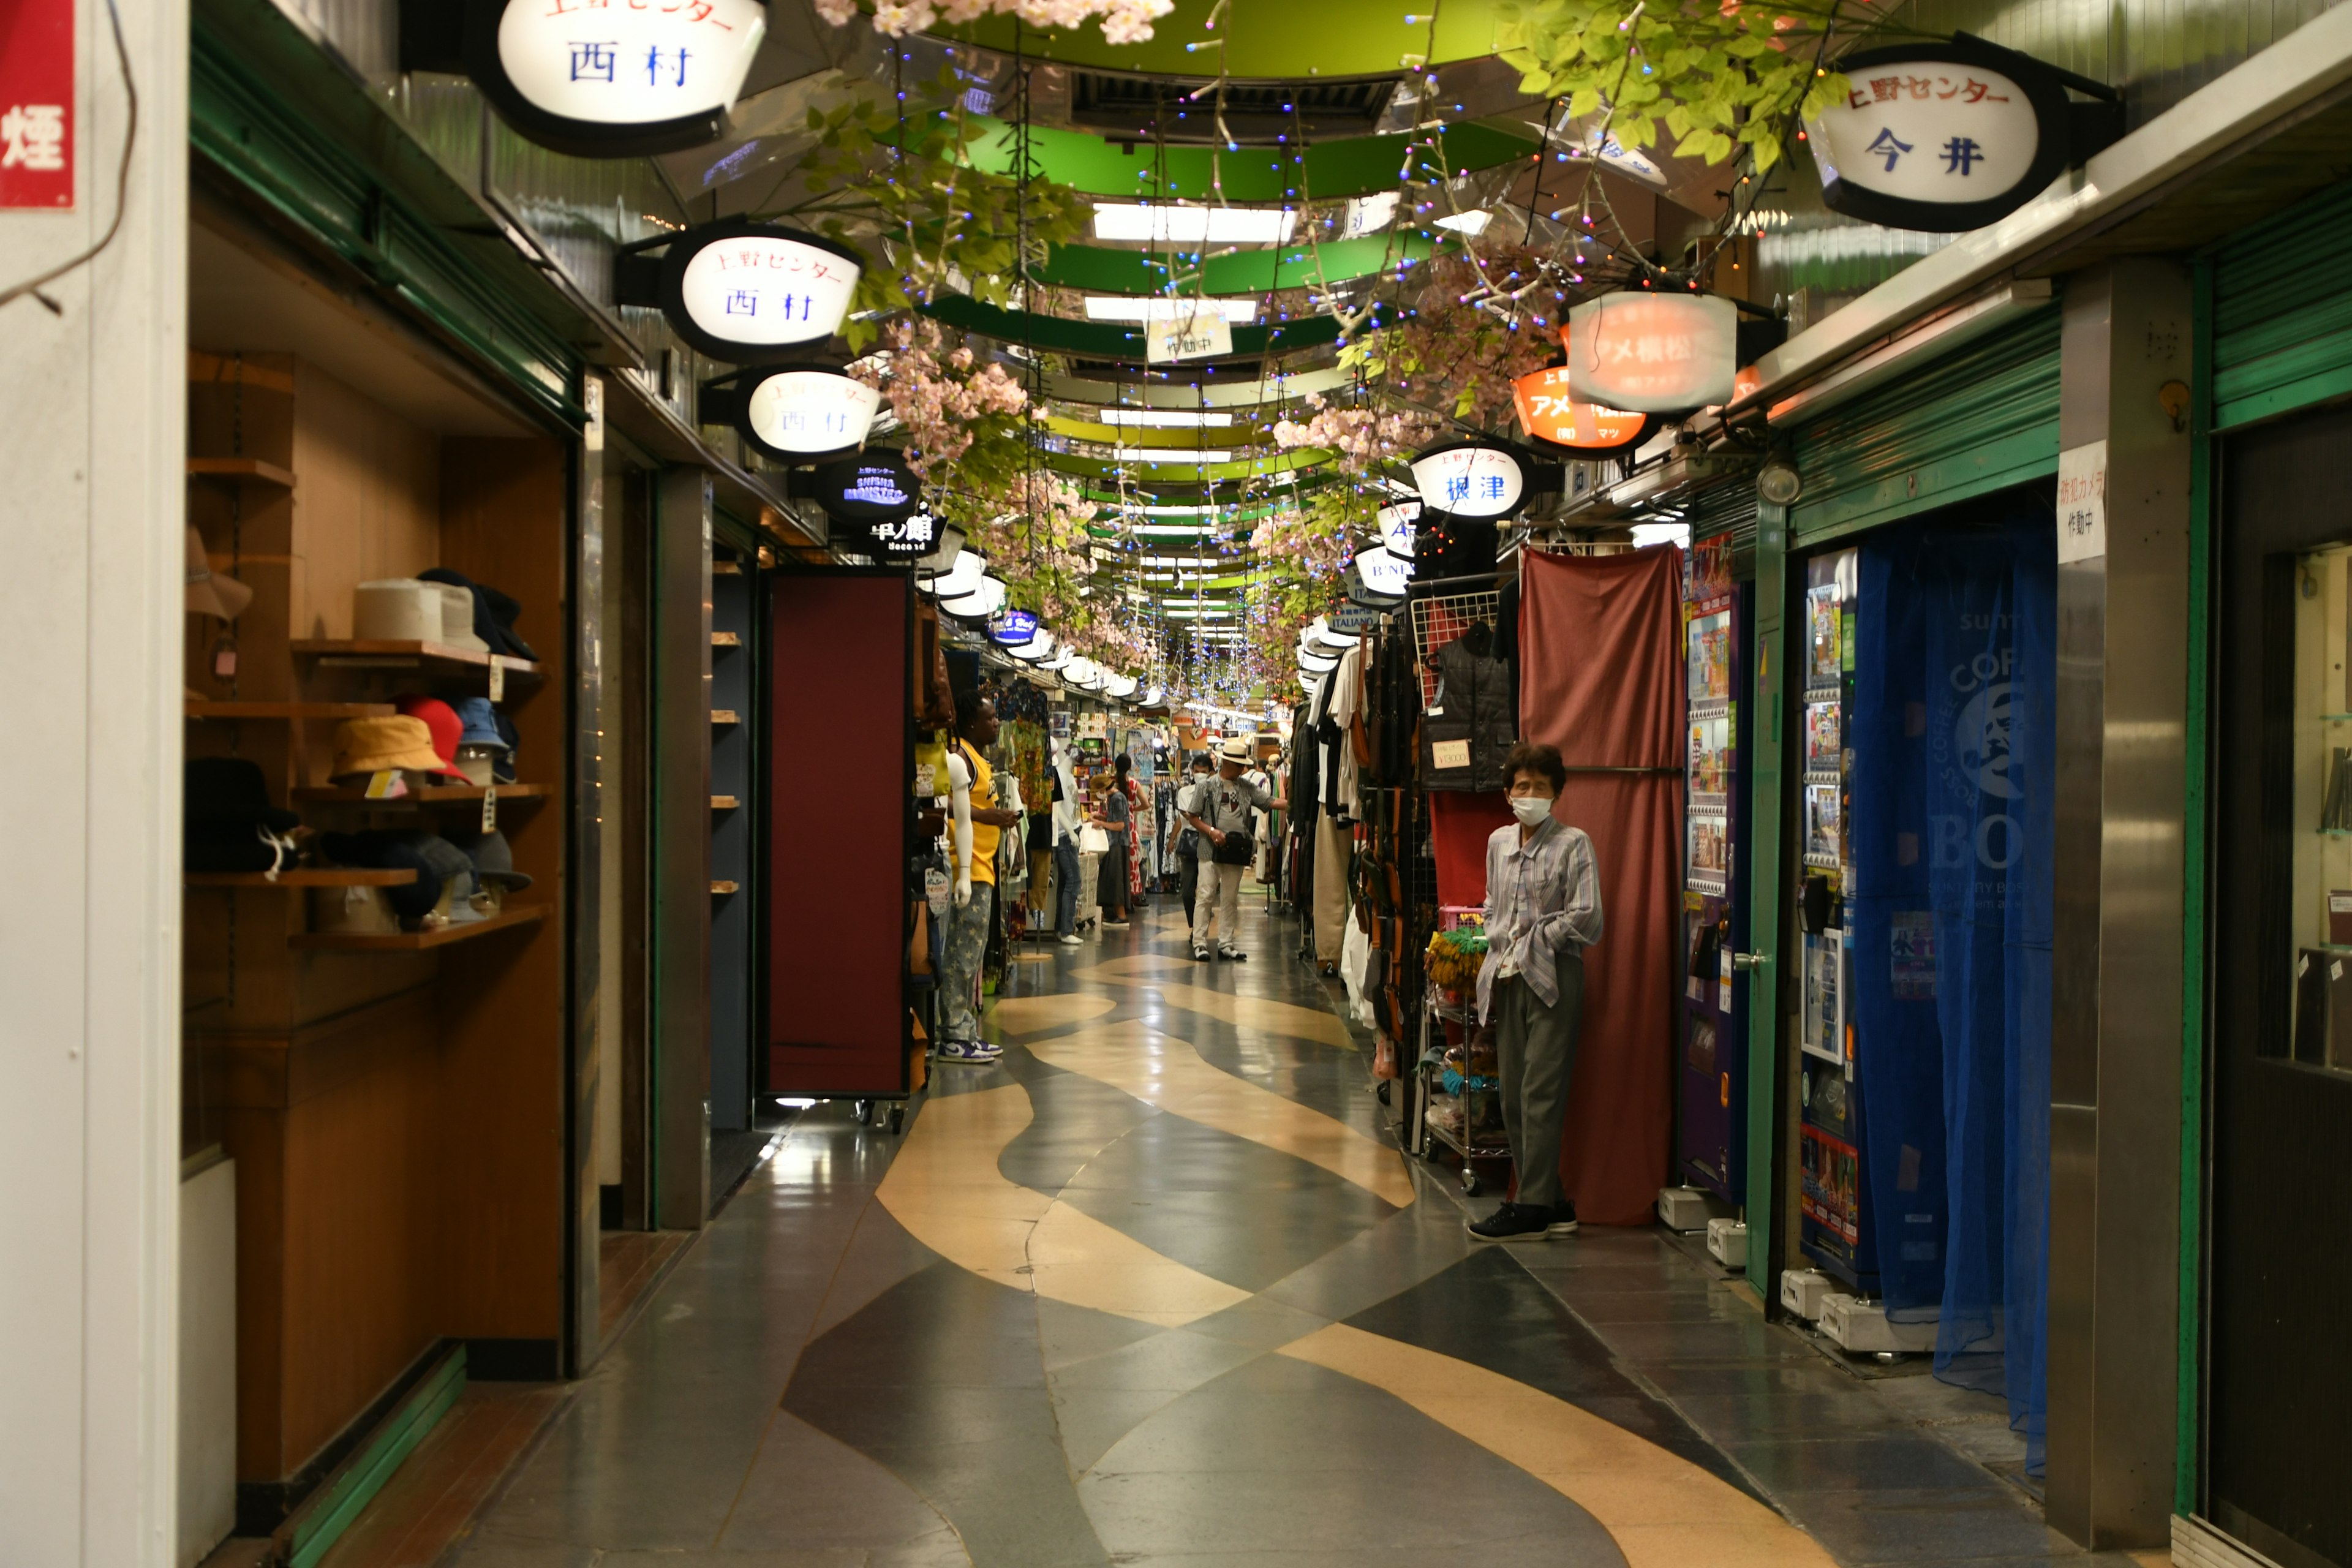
<point>1531,809</point>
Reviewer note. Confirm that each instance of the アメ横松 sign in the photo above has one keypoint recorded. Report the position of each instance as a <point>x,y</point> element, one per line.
<point>600,80</point>
<point>1653,353</point>
<point>1940,137</point>
<point>1549,415</point>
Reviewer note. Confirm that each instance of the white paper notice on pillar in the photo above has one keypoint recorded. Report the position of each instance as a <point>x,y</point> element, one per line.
<point>2083,503</point>
<point>630,64</point>
<point>1205,334</point>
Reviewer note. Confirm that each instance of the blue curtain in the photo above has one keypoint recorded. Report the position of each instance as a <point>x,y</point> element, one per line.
<point>1955,738</point>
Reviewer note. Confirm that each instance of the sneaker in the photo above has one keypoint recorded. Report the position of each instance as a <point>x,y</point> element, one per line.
<point>1513,1222</point>
<point>1070,938</point>
<point>961,1051</point>
<point>1233,954</point>
<point>987,1051</point>
<point>1200,956</point>
<point>1113,925</point>
<point>1563,1220</point>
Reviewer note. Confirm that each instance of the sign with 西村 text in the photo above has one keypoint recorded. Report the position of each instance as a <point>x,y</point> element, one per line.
<point>801,415</point>
<point>609,79</point>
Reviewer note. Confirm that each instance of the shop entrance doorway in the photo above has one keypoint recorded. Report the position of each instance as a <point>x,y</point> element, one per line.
<point>2278,1366</point>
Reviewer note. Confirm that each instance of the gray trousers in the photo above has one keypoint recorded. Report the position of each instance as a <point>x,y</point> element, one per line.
<point>960,971</point>
<point>1535,1051</point>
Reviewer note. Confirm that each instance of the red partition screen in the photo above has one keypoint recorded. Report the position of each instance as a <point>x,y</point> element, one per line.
<point>840,760</point>
<point>1601,677</point>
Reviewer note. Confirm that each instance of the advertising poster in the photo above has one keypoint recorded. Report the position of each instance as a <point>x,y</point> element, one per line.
<point>1824,640</point>
<point>1710,656</point>
<point>1824,826</point>
<point>1825,738</point>
<point>1710,853</point>
<point>1830,1201</point>
<point>1710,756</point>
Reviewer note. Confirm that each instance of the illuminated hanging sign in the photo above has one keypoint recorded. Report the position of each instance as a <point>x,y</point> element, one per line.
<point>1015,628</point>
<point>1377,579</point>
<point>1652,353</point>
<point>1941,137</point>
<point>750,293</point>
<point>1552,418</point>
<point>1470,478</point>
<point>876,498</point>
<point>599,79</point>
<point>794,413</point>
<point>1395,524</point>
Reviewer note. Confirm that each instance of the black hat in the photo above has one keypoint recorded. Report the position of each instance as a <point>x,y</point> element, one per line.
<point>381,850</point>
<point>493,861</point>
<point>494,612</point>
<point>228,822</point>
<point>502,764</point>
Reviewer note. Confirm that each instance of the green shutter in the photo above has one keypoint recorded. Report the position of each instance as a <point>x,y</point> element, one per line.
<point>1980,418</point>
<point>2282,313</point>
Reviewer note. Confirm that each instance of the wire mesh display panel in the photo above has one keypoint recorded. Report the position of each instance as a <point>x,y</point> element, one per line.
<point>1439,620</point>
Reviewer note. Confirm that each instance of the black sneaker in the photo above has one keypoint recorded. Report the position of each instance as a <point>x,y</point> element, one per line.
<point>1513,1222</point>
<point>1563,1220</point>
<point>1233,954</point>
<point>1200,956</point>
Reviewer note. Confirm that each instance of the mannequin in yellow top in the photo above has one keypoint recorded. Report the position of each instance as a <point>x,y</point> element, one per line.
<point>977,832</point>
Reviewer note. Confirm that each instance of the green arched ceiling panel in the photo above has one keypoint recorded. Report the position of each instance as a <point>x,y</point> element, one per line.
<point>1356,166</point>
<point>1102,270</point>
<point>1231,394</point>
<point>1112,340</point>
<point>1183,439</point>
<point>1326,38</point>
<point>1188,473</point>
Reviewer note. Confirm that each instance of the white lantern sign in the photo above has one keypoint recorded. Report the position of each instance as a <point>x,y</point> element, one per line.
<point>1470,478</point>
<point>1940,137</point>
<point>749,293</point>
<point>796,416</point>
<point>614,78</point>
<point>1654,352</point>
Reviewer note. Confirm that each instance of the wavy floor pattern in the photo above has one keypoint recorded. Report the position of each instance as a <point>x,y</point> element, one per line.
<point>1157,1289</point>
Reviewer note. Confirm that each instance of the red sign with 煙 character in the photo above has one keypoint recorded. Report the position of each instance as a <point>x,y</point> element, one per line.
<point>36,104</point>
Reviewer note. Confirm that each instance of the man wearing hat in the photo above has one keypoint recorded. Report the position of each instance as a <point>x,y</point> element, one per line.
<point>1219,812</point>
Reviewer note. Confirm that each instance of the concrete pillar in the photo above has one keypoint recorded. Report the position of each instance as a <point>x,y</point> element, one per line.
<point>2115,1133</point>
<point>93,415</point>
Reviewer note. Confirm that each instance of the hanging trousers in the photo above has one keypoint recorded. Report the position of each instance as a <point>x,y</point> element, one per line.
<point>1221,893</point>
<point>1331,844</point>
<point>1188,881</point>
<point>960,970</point>
<point>1065,887</point>
<point>1535,1050</point>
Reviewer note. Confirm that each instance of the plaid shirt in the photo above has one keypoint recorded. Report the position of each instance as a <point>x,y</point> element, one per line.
<point>1543,897</point>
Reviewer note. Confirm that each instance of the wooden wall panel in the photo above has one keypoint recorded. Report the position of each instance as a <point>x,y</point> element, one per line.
<point>368,499</point>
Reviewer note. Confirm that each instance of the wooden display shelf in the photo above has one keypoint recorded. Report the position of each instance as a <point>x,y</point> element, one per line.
<point>724,716</point>
<point>414,940</point>
<point>725,639</point>
<point>427,654</point>
<point>726,887</point>
<point>323,877</point>
<point>336,795</point>
<point>206,709</point>
<point>727,569</point>
<point>724,803</point>
<point>252,468</point>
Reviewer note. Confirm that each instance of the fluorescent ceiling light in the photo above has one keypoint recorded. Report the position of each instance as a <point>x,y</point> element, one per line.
<point>1473,223</point>
<point>1181,223</point>
<point>1164,308</point>
<point>1194,612</point>
<point>1170,454</point>
<point>1168,419</point>
<point>1648,534</point>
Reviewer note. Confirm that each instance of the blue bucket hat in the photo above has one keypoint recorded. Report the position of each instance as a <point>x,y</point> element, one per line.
<point>481,722</point>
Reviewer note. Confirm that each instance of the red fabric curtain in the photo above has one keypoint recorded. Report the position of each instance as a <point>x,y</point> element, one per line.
<point>1601,677</point>
<point>1460,823</point>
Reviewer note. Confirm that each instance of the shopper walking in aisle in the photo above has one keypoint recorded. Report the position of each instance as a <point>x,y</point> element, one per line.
<point>1221,813</point>
<point>1066,847</point>
<point>1543,910</point>
<point>975,882</point>
<point>1116,888</point>
<point>1187,843</point>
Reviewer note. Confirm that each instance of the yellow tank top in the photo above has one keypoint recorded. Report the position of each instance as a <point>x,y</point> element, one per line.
<point>983,798</point>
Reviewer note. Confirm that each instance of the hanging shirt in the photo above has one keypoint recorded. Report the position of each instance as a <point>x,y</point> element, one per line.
<point>1543,898</point>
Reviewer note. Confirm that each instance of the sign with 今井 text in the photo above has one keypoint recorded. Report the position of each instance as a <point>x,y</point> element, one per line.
<point>1205,334</point>
<point>1940,137</point>
<point>1652,353</point>
<point>2083,502</point>
<point>614,78</point>
<point>37,106</point>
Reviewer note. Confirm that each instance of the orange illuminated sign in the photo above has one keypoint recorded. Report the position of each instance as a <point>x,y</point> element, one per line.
<point>1547,413</point>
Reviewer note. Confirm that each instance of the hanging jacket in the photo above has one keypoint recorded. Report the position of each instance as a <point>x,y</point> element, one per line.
<point>1466,736</point>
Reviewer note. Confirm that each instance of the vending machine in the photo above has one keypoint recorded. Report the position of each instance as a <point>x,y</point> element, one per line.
<point>1833,1173</point>
<point>1712,1079</point>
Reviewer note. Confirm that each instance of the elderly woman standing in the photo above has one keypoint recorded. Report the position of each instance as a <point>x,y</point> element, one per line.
<point>1543,910</point>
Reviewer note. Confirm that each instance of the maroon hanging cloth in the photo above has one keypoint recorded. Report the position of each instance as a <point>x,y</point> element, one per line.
<point>1601,677</point>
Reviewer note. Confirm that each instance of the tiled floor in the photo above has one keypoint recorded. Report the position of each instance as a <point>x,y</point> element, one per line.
<point>1158,1289</point>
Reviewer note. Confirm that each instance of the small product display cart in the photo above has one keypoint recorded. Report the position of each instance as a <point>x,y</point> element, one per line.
<point>1456,1089</point>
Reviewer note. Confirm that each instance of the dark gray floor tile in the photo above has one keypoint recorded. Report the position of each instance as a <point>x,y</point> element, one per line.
<point>1878,1461</point>
<point>1931,1526</point>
